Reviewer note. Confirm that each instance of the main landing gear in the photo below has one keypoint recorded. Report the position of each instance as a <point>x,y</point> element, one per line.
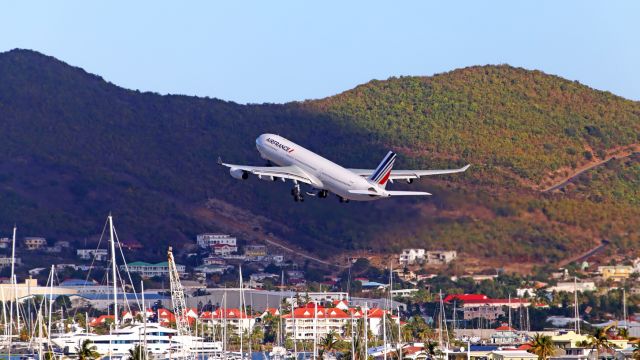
<point>343,200</point>
<point>297,194</point>
<point>323,194</point>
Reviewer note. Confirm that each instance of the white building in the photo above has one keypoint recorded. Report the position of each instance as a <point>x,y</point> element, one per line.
<point>234,317</point>
<point>6,261</point>
<point>224,249</point>
<point>35,242</point>
<point>97,254</point>
<point>5,243</point>
<point>411,256</point>
<point>309,320</point>
<point>147,270</point>
<point>570,286</point>
<point>440,256</point>
<point>208,240</point>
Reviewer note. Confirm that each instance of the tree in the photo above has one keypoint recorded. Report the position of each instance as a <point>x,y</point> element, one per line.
<point>542,346</point>
<point>636,351</point>
<point>328,343</point>
<point>599,341</point>
<point>138,352</point>
<point>87,351</point>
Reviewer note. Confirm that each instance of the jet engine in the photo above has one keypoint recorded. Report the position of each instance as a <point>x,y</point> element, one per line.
<point>238,174</point>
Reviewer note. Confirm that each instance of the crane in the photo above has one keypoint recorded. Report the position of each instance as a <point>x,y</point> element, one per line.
<point>179,304</point>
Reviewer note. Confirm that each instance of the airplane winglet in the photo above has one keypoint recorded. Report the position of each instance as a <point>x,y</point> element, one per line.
<point>464,168</point>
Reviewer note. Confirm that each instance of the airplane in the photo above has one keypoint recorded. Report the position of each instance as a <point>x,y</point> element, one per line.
<point>300,165</point>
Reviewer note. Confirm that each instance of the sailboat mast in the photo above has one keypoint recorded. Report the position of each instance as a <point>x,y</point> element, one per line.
<point>624,308</point>
<point>366,330</point>
<point>293,318</point>
<point>113,271</point>
<point>53,267</point>
<point>510,310</point>
<point>240,328</point>
<point>575,305</point>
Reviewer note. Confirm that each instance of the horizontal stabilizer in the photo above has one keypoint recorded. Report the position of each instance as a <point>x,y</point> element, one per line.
<point>365,192</point>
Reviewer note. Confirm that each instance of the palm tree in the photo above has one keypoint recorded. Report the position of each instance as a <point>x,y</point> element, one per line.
<point>87,351</point>
<point>138,352</point>
<point>600,341</point>
<point>542,346</point>
<point>431,347</point>
<point>328,343</point>
<point>636,351</point>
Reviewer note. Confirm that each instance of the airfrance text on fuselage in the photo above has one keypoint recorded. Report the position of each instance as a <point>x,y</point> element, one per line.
<point>281,146</point>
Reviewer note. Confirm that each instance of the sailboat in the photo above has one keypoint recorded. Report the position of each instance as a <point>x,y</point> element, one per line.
<point>158,340</point>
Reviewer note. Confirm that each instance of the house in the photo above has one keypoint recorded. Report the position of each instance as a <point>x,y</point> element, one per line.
<point>327,296</point>
<point>213,269</point>
<point>375,316</point>
<point>506,335</point>
<point>224,249</point>
<point>568,339</point>
<point>63,244</point>
<point>487,312</point>
<point>615,272</point>
<point>96,254</point>
<point>440,257</point>
<point>411,256</point>
<point>234,317</point>
<point>255,252</point>
<point>35,242</point>
<point>570,286</point>
<point>208,240</point>
<point>490,309</point>
<point>512,355</point>
<point>275,258</point>
<point>5,243</point>
<point>403,293</point>
<point>214,260</point>
<point>6,261</point>
<point>147,270</point>
<point>55,249</point>
<point>304,320</point>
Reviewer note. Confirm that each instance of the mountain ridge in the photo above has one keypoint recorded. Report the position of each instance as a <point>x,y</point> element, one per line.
<point>78,147</point>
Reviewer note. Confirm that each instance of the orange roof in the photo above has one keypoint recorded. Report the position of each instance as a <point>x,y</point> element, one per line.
<point>377,313</point>
<point>272,311</point>
<point>222,313</point>
<point>505,328</point>
<point>100,320</point>
<point>322,313</point>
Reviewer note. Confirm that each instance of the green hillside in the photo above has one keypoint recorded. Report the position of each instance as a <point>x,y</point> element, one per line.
<point>76,147</point>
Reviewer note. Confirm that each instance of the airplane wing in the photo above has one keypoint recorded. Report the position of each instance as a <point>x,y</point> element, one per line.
<point>283,172</point>
<point>410,174</point>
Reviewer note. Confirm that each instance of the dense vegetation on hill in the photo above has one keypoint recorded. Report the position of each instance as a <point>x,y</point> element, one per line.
<point>76,147</point>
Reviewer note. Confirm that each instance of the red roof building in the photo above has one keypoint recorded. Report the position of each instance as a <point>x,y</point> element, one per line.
<point>465,297</point>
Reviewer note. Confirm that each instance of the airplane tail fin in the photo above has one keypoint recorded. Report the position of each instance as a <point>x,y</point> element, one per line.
<point>381,175</point>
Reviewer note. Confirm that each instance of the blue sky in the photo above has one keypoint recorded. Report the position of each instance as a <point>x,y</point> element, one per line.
<point>278,51</point>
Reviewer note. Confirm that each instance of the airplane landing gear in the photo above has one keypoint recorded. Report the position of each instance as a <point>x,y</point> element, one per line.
<point>297,194</point>
<point>323,194</point>
<point>343,200</point>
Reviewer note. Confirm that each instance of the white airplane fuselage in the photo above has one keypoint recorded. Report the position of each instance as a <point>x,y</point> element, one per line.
<point>324,174</point>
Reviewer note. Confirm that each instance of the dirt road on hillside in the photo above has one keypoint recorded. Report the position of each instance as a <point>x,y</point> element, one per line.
<point>579,171</point>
